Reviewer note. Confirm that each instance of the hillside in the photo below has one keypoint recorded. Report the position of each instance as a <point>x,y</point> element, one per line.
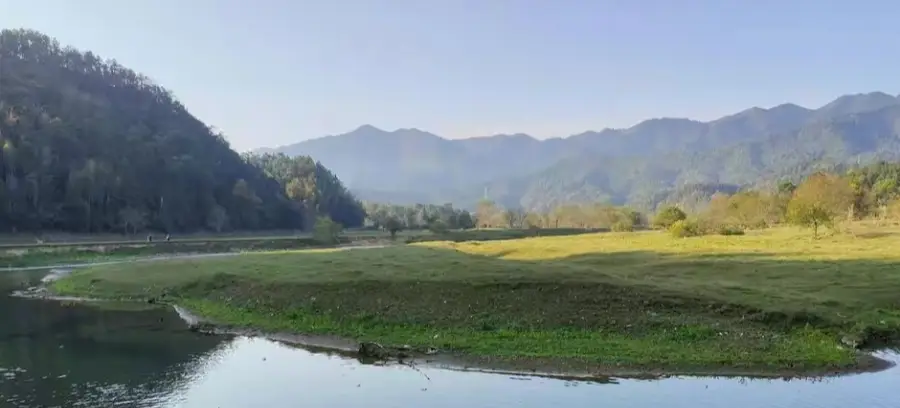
<point>640,165</point>
<point>863,137</point>
<point>89,145</point>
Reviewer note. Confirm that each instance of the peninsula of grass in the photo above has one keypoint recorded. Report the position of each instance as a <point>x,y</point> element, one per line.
<point>770,302</point>
<point>35,255</point>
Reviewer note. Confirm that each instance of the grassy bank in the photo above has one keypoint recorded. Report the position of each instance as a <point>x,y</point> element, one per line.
<point>105,248</point>
<point>496,234</point>
<point>71,254</point>
<point>770,301</point>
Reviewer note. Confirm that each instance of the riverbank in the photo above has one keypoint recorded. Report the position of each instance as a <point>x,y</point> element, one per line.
<point>103,249</point>
<point>770,302</point>
<point>82,253</point>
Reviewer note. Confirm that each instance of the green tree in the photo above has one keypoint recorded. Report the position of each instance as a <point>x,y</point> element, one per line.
<point>393,225</point>
<point>819,201</point>
<point>667,216</point>
<point>88,145</point>
<point>132,219</point>
<point>327,231</point>
<point>465,221</point>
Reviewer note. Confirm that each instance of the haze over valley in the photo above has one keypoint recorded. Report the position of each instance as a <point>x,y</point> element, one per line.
<point>654,161</point>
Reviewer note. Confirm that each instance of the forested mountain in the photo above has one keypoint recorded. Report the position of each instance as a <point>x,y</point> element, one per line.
<point>89,145</point>
<point>821,145</point>
<point>642,165</point>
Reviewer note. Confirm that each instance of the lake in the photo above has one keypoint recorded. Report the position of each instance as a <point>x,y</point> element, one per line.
<point>58,355</point>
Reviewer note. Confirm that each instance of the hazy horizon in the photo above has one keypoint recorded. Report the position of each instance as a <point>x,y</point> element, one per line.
<point>286,71</point>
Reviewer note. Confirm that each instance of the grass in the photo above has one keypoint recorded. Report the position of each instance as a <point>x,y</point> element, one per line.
<point>84,253</point>
<point>27,241</point>
<point>767,301</point>
<point>97,250</point>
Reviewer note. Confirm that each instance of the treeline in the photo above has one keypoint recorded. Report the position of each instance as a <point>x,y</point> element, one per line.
<point>587,216</point>
<point>820,200</point>
<point>312,189</point>
<point>489,215</point>
<point>91,146</point>
<point>416,217</point>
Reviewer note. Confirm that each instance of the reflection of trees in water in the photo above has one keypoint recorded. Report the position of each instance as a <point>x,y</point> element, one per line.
<point>69,351</point>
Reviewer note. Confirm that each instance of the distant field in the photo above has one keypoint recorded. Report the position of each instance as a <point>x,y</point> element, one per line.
<point>82,249</point>
<point>8,241</point>
<point>768,300</point>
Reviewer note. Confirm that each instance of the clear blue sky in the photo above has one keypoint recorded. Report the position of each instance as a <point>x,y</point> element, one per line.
<point>272,72</point>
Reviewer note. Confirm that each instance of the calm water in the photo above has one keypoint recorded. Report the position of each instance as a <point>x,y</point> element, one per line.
<point>53,355</point>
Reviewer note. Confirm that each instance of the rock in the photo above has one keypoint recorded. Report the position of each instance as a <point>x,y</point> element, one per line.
<point>850,341</point>
<point>373,350</point>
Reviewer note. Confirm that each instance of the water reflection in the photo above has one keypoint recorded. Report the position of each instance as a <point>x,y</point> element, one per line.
<point>53,355</point>
<point>256,372</point>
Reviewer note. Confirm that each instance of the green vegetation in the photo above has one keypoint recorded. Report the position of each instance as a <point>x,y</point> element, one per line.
<point>668,217</point>
<point>87,252</point>
<point>327,233</point>
<point>768,300</point>
<point>91,146</point>
<point>819,201</point>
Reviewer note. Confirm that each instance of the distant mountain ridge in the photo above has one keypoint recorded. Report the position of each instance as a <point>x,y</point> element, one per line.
<point>617,165</point>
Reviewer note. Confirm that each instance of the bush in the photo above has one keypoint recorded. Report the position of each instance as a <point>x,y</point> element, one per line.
<point>623,226</point>
<point>730,230</point>
<point>668,216</point>
<point>685,228</point>
<point>393,225</point>
<point>893,210</point>
<point>327,231</point>
<point>438,227</point>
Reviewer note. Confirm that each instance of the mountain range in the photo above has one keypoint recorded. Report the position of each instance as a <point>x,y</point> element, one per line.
<point>642,166</point>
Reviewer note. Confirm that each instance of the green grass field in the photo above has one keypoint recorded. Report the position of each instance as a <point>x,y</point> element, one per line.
<point>98,248</point>
<point>769,301</point>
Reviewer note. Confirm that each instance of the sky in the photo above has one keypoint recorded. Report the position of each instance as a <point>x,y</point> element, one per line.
<point>275,72</point>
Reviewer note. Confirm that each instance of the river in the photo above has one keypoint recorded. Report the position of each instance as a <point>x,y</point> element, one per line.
<point>58,355</point>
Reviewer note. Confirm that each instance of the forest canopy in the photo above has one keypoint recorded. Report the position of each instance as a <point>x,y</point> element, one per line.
<point>89,145</point>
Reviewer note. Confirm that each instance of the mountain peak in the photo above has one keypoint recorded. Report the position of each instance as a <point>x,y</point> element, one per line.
<point>367,129</point>
<point>857,103</point>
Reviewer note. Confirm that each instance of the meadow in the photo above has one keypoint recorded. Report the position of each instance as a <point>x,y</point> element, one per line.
<point>770,301</point>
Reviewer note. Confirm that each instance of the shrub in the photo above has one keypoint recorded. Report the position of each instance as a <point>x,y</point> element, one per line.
<point>668,216</point>
<point>438,227</point>
<point>327,231</point>
<point>393,225</point>
<point>685,228</point>
<point>623,226</point>
<point>893,210</point>
<point>730,230</point>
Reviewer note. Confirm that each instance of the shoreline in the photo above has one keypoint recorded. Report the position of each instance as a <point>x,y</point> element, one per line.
<point>534,367</point>
<point>548,367</point>
<point>491,307</point>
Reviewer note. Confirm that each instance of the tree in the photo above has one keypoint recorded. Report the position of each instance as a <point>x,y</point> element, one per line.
<point>893,210</point>
<point>133,218</point>
<point>89,146</point>
<point>393,225</point>
<point>485,213</point>
<point>786,187</point>
<point>667,216</point>
<point>327,231</point>
<point>216,218</point>
<point>513,218</point>
<point>438,227</point>
<point>819,200</point>
<point>464,220</point>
